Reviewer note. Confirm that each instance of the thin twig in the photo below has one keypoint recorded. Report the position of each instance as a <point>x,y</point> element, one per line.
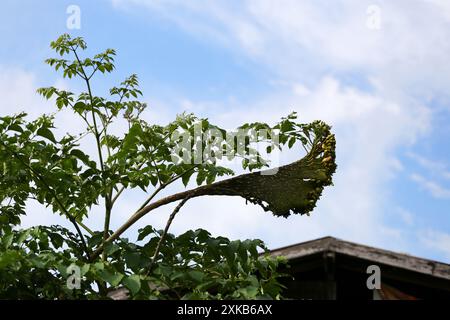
<point>85,227</point>
<point>164,185</point>
<point>95,69</point>
<point>166,230</point>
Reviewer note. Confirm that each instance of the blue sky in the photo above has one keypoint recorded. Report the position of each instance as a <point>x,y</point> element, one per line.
<point>378,71</point>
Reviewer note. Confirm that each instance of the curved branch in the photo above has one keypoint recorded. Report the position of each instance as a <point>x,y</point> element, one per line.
<point>290,189</point>
<point>166,230</point>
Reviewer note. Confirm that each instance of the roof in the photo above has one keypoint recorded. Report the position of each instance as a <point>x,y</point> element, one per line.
<point>390,258</point>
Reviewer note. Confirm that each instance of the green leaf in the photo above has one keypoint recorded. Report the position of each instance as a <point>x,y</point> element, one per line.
<point>99,266</point>
<point>197,276</point>
<point>96,239</point>
<point>154,180</point>
<point>110,248</point>
<point>249,292</point>
<point>210,178</point>
<point>253,248</point>
<point>133,283</point>
<point>84,269</point>
<point>79,107</point>
<point>207,285</point>
<point>15,127</point>
<point>23,235</point>
<point>80,155</point>
<point>186,177</point>
<point>291,142</point>
<point>201,176</point>
<point>145,232</point>
<point>8,258</point>
<point>113,278</point>
<point>132,259</point>
<point>46,133</point>
<point>7,240</point>
<point>243,256</point>
<point>57,240</point>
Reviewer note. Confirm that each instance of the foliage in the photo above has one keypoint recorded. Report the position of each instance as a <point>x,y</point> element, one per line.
<point>38,165</point>
<point>194,265</point>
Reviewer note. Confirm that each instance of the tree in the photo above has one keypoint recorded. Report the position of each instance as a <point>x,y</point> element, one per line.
<point>55,262</point>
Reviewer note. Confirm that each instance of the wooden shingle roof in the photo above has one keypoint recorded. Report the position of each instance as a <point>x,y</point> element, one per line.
<point>386,257</point>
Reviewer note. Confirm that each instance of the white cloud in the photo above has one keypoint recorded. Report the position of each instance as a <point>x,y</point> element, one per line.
<point>443,6</point>
<point>437,241</point>
<point>436,168</point>
<point>305,39</point>
<point>406,216</point>
<point>17,89</point>
<point>312,47</point>
<point>435,189</point>
<point>368,130</point>
<point>371,85</point>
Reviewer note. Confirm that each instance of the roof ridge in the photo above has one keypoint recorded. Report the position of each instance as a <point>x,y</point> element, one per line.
<point>330,238</point>
<point>332,242</point>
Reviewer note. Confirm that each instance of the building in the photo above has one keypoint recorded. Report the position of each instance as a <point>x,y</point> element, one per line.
<point>329,268</point>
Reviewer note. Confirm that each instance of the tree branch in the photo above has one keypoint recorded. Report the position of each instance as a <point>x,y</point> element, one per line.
<point>142,212</point>
<point>145,208</point>
<point>293,188</point>
<point>166,230</point>
<point>99,149</point>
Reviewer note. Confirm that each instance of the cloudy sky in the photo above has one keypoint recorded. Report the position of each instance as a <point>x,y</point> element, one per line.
<point>377,71</point>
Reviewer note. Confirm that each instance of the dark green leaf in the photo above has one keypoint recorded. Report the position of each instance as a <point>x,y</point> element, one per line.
<point>46,133</point>
<point>113,278</point>
<point>133,283</point>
